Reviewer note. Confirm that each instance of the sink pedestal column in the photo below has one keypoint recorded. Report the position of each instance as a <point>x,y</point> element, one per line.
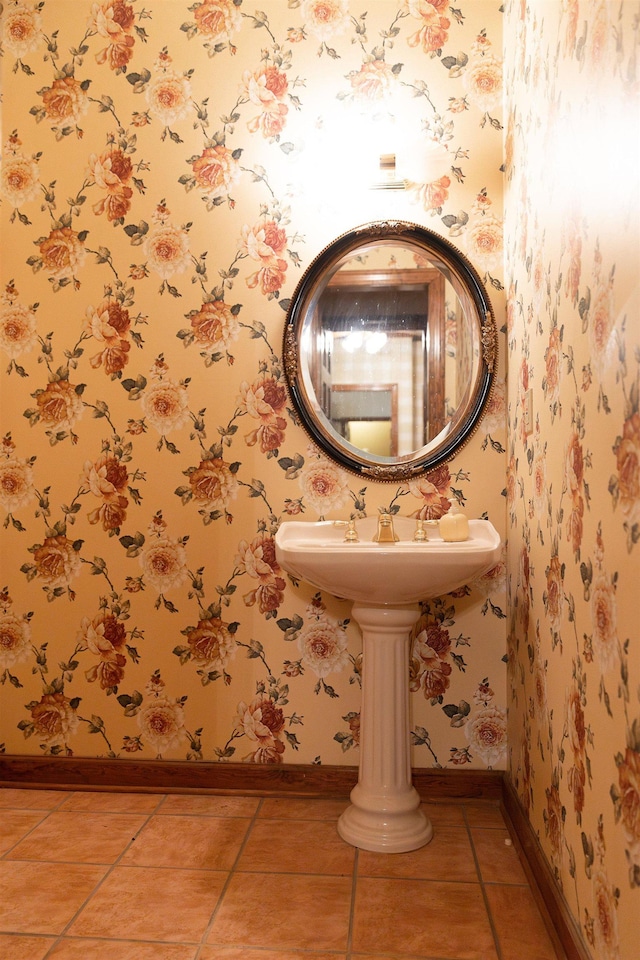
<point>385,814</point>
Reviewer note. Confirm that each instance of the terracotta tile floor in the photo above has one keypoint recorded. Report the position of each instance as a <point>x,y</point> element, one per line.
<point>125,876</point>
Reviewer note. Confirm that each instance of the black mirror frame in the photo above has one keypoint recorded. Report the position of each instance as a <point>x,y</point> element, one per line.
<point>422,461</point>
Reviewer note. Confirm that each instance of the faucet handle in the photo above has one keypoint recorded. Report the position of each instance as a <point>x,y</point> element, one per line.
<point>420,536</point>
<point>351,535</point>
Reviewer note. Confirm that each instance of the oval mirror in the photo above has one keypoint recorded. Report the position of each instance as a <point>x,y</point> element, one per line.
<point>390,348</point>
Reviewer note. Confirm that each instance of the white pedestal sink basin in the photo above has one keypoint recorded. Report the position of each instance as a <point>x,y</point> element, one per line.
<point>385,581</point>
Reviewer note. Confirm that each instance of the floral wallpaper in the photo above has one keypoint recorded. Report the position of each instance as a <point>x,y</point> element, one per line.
<point>572,200</point>
<point>169,169</point>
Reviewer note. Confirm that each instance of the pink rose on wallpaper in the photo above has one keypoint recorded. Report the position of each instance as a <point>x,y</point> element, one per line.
<point>433,31</point>
<point>216,170</point>
<point>265,243</point>
<point>162,723</point>
<point>323,646</point>
<point>65,101</point>
<point>484,242</point>
<point>22,29</point>
<point>604,931</point>
<point>217,19</point>
<point>211,644</point>
<point>15,640</point>
<point>604,617</point>
<point>113,21</point>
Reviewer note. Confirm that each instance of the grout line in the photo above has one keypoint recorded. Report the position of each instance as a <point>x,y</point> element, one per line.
<point>94,891</point>
<point>230,876</point>
<point>487,908</point>
<point>354,883</point>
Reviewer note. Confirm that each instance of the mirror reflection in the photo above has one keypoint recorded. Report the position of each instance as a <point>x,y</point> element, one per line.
<point>389,349</point>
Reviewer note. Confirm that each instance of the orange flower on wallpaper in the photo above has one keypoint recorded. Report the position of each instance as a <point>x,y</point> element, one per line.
<point>17,486</point>
<point>373,81</point>
<point>162,723</point>
<point>265,401</point>
<point>164,563</point>
<point>324,485</point>
<point>323,645</point>
<point>113,21</point>
<point>433,31</point>
<point>62,253</point>
<point>53,720</point>
<point>166,405</point>
<point>22,29</point>
<point>431,670</point>
<point>325,18</point>
<point>626,484</point>
<point>431,196</point>
<point>265,243</point>
<point>433,489</point>
<point>212,483</point>
<point>65,102</point>
<point>215,171</point>
<point>211,644</point>
<point>104,636</point>
<point>15,639</point>
<point>167,249</point>
<point>112,171</point>
<point>109,324</point>
<point>262,721</point>
<point>18,329</point>
<point>20,179</point>
<point>56,563</point>
<point>258,560</point>
<point>266,89</point>
<point>168,94</point>
<point>215,324</point>
<point>217,21</point>
<point>487,735</point>
<point>107,479</point>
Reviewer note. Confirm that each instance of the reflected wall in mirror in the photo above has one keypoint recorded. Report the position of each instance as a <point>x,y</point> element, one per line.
<point>390,350</point>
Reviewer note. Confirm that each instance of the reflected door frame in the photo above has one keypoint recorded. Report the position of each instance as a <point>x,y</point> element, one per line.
<point>391,388</point>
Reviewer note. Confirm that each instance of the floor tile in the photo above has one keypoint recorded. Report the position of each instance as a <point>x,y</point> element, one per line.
<point>201,843</point>
<point>24,948</point>
<point>15,824</point>
<point>137,904</point>
<point>448,856</point>
<point>484,813</point>
<point>22,799</point>
<point>418,917</point>
<point>42,897</point>
<point>203,806</point>
<point>520,928</point>
<point>293,808</point>
<point>88,801</point>
<point>296,846</point>
<point>244,953</point>
<point>499,860</point>
<point>92,949</point>
<point>449,814</point>
<point>80,837</point>
<point>284,912</point>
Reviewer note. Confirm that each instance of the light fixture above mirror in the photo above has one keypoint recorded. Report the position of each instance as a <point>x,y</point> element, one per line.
<point>390,349</point>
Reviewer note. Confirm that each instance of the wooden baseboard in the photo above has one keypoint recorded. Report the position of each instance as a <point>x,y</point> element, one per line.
<point>304,780</point>
<point>292,780</point>
<point>541,879</point>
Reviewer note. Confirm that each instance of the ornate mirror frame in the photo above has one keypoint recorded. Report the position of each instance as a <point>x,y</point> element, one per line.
<point>435,257</point>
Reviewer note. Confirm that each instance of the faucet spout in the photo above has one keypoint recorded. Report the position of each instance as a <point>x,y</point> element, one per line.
<point>385,532</point>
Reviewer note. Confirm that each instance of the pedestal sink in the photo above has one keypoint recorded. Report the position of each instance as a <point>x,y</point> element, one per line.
<point>385,581</point>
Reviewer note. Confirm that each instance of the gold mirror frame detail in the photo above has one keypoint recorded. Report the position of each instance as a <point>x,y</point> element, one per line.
<point>306,317</point>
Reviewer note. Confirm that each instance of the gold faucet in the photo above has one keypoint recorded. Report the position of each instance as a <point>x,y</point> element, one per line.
<point>385,532</point>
